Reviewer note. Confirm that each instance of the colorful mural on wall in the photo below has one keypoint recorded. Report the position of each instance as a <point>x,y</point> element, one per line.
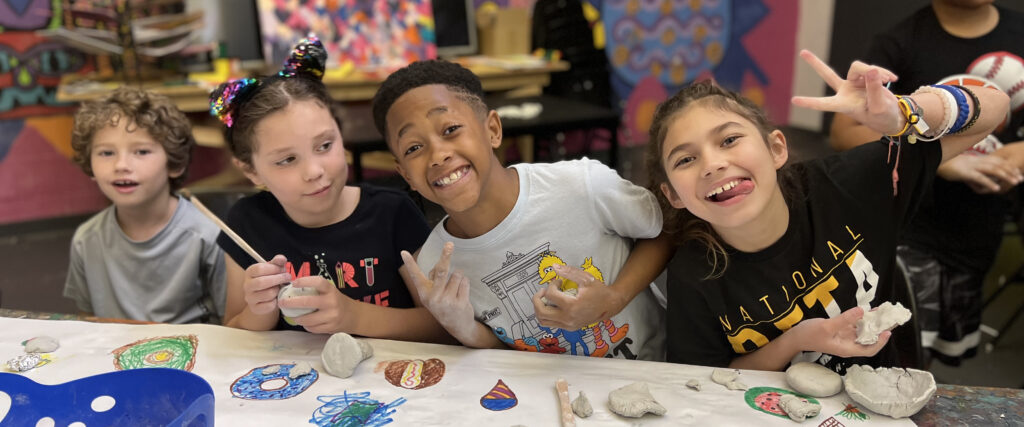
<point>27,15</point>
<point>657,46</point>
<point>653,47</point>
<point>37,177</point>
<point>372,33</point>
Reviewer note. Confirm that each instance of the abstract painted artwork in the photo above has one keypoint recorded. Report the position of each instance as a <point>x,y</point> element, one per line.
<point>365,33</point>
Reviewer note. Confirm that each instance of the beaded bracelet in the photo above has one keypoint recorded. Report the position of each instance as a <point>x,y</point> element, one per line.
<point>949,111</point>
<point>962,108</point>
<point>974,114</point>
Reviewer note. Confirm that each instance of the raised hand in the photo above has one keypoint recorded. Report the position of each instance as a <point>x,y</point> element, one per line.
<point>261,284</point>
<point>446,296</point>
<point>592,303</point>
<point>862,95</point>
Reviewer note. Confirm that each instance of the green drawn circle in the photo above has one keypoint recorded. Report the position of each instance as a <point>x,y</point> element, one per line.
<point>167,352</point>
<point>751,394</point>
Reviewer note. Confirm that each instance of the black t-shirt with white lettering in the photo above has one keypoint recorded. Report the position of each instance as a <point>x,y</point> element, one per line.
<point>837,253</point>
<point>359,255</point>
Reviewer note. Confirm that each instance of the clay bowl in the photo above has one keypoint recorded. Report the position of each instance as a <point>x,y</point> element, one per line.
<point>895,392</point>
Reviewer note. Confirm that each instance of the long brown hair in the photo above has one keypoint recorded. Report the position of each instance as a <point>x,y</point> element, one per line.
<point>273,95</point>
<point>681,224</point>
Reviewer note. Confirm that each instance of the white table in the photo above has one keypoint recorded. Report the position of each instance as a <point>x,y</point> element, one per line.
<point>224,354</point>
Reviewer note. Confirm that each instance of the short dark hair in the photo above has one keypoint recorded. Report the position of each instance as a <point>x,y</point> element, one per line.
<point>423,73</point>
<point>155,114</point>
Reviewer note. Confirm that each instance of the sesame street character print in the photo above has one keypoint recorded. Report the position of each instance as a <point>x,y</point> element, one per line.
<point>515,323</point>
<point>615,334</point>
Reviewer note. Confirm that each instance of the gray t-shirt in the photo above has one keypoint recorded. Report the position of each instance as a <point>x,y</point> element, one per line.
<point>579,213</point>
<point>177,276</point>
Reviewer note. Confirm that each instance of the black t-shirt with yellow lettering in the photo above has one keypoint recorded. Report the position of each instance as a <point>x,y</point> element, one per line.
<point>837,253</point>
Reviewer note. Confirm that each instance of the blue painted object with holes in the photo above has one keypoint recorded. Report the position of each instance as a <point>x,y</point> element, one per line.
<point>142,397</point>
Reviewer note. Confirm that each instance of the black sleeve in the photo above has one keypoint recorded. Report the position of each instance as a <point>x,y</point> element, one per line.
<point>411,228</point>
<point>693,334</point>
<point>890,50</point>
<point>236,221</point>
<point>865,174</point>
<point>884,51</point>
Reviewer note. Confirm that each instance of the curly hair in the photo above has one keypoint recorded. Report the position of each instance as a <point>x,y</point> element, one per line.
<point>153,113</point>
<point>681,224</point>
<point>456,78</point>
<point>273,94</point>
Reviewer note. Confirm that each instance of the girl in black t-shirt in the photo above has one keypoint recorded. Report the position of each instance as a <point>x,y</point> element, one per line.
<point>717,167</point>
<point>342,241</point>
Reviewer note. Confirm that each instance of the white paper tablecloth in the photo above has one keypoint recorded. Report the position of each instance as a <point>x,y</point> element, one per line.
<point>225,354</point>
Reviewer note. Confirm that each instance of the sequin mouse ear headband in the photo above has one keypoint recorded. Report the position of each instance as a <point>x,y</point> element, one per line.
<point>308,58</point>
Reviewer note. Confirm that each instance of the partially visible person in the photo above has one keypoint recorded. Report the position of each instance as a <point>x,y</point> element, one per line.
<point>151,255</point>
<point>949,246</point>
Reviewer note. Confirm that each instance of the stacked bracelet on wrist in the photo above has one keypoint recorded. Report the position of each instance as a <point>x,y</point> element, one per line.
<point>949,112</point>
<point>915,125</point>
<point>963,109</point>
<point>974,114</point>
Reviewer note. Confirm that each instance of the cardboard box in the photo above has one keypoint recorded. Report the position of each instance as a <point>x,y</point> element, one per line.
<point>503,31</point>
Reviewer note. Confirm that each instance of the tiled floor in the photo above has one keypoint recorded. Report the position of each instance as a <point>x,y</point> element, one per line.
<point>34,263</point>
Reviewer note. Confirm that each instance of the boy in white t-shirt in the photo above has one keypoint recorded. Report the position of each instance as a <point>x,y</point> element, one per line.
<point>516,236</point>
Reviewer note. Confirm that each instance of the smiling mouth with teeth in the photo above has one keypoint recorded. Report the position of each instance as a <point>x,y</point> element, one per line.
<point>454,176</point>
<point>124,183</point>
<point>719,194</point>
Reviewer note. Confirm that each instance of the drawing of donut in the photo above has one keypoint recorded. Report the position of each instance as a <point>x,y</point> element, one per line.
<point>256,385</point>
<point>175,352</point>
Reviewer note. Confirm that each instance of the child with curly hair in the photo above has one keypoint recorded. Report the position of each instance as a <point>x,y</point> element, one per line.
<point>151,255</point>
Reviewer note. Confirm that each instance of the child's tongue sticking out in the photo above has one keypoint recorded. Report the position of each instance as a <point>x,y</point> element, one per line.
<point>732,189</point>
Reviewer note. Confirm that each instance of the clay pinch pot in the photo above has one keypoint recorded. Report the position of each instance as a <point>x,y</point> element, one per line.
<point>895,392</point>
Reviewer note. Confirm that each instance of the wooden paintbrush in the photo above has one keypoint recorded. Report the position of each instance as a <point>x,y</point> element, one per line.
<point>223,227</point>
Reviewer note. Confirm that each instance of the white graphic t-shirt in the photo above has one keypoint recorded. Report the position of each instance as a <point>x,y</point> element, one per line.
<point>578,213</point>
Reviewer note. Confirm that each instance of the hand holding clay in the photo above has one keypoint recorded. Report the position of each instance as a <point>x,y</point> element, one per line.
<point>288,292</point>
<point>836,336</point>
<point>446,297</point>
<point>591,302</point>
<point>330,310</point>
<point>261,284</point>
<point>882,318</point>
